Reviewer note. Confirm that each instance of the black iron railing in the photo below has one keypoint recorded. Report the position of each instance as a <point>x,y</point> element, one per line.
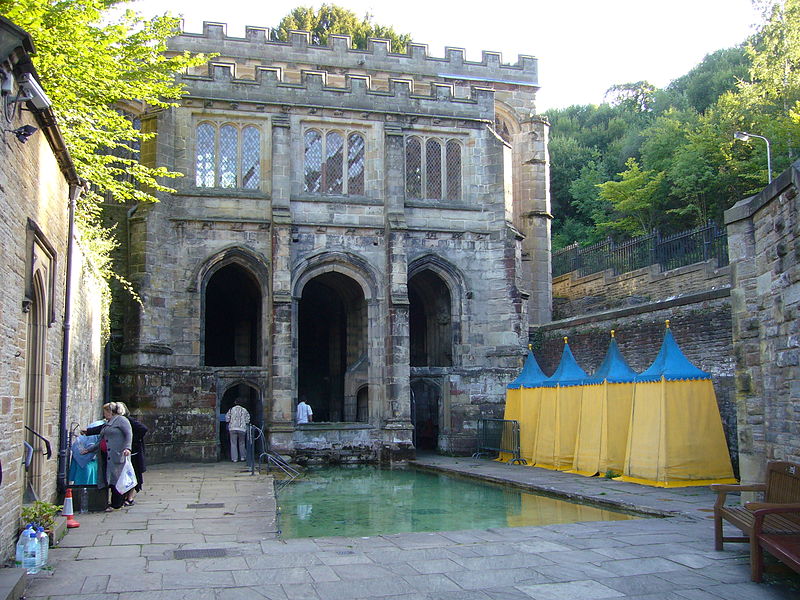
<point>669,252</point>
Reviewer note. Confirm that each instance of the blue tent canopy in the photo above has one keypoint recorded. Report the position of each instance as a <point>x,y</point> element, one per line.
<point>614,369</point>
<point>531,375</point>
<point>568,372</point>
<point>671,364</point>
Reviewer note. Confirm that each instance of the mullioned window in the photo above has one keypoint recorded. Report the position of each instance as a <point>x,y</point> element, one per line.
<point>333,162</point>
<point>227,156</point>
<point>433,168</point>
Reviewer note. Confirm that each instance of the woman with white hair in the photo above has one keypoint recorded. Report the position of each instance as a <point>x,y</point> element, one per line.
<point>117,437</point>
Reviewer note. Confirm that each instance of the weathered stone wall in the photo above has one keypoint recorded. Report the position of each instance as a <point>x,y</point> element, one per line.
<point>574,295</point>
<point>488,247</point>
<point>763,234</point>
<point>701,324</point>
<point>33,222</point>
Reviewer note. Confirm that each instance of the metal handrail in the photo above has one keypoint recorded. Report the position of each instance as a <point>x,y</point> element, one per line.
<point>48,450</point>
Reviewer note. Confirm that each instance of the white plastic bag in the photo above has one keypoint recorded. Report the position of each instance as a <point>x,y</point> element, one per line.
<point>127,479</point>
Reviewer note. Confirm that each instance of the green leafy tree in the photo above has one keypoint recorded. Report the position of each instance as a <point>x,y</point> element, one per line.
<point>635,200</point>
<point>91,58</point>
<point>330,18</point>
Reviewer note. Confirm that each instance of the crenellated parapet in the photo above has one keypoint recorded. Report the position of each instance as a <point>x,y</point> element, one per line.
<point>268,87</point>
<point>339,54</point>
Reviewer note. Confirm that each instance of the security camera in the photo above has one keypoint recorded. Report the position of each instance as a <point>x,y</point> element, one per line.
<point>32,88</point>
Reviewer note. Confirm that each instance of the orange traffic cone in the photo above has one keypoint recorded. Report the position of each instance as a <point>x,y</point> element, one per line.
<point>67,510</point>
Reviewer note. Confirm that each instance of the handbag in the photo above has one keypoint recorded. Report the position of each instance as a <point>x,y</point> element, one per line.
<point>127,478</point>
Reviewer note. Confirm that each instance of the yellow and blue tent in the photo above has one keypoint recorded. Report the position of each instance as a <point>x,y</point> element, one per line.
<point>559,409</point>
<point>522,404</point>
<point>605,414</point>
<point>676,437</point>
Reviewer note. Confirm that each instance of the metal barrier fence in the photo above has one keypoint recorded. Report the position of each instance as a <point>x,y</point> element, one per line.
<point>499,435</point>
<point>677,250</point>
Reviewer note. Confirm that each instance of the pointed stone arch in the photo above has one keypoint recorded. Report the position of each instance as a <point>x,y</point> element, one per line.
<point>252,390</point>
<point>335,313</point>
<point>234,300</point>
<point>436,293</point>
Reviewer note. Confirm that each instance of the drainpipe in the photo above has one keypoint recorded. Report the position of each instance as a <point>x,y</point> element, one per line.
<point>75,192</point>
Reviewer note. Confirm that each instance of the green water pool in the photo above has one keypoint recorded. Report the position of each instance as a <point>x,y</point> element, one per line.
<point>365,500</point>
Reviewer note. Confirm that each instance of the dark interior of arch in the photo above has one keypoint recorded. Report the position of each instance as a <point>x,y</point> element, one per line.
<point>430,321</point>
<point>251,400</point>
<point>332,328</point>
<point>425,414</point>
<point>233,318</point>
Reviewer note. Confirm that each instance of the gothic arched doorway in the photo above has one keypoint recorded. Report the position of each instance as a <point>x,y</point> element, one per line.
<point>425,397</point>
<point>430,321</point>
<point>332,345</point>
<point>232,318</point>
<point>32,464</point>
<point>251,400</point>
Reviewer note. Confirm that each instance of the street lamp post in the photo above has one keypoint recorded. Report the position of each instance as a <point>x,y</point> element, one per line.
<point>744,136</point>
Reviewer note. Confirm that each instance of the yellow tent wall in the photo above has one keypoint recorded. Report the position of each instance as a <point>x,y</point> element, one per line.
<point>590,427</point>
<point>616,420</point>
<point>558,427</point>
<point>676,437</point>
<point>528,421</point>
<point>602,437</point>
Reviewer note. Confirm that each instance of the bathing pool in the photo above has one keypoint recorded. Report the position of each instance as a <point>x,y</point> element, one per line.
<point>365,500</point>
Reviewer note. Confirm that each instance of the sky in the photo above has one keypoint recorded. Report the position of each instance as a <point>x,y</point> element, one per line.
<point>583,46</point>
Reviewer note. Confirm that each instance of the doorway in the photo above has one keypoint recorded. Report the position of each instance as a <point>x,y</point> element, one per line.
<point>251,400</point>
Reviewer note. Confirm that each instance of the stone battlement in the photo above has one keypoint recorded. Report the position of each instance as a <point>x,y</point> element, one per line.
<point>339,54</point>
<point>268,87</point>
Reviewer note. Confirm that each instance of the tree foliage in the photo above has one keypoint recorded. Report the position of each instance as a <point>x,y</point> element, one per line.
<point>91,57</point>
<point>687,168</point>
<point>330,18</point>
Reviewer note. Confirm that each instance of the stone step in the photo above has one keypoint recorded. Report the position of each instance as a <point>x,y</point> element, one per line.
<point>12,583</point>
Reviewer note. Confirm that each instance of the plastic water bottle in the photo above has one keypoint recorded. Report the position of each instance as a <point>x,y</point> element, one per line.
<point>23,539</point>
<point>30,558</point>
<point>84,501</point>
<point>44,547</point>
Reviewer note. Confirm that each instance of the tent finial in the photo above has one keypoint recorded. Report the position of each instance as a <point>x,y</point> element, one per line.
<point>565,340</point>
<point>667,322</point>
<point>530,346</point>
<point>612,333</point>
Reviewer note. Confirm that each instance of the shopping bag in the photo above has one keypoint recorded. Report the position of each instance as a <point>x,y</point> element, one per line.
<point>127,479</point>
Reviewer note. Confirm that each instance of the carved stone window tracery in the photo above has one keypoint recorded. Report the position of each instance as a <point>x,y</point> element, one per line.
<point>227,156</point>
<point>433,169</point>
<point>324,169</point>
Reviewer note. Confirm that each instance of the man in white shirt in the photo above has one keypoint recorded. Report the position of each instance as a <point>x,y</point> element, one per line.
<point>238,419</point>
<point>304,412</point>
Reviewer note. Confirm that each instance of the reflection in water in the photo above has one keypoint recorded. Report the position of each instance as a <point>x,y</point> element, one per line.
<point>359,501</point>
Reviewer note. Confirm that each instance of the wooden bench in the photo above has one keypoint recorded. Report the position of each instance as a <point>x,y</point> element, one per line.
<point>786,548</point>
<point>777,516</point>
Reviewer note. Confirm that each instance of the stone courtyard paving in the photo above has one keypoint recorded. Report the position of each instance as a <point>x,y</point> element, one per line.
<point>208,532</point>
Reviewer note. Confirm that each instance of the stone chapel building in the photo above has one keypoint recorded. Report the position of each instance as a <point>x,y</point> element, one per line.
<point>368,230</point>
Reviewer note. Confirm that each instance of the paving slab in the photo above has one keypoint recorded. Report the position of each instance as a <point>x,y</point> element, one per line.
<point>166,548</point>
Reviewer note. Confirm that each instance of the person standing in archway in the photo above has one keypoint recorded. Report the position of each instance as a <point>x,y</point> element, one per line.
<point>304,412</point>
<point>238,420</point>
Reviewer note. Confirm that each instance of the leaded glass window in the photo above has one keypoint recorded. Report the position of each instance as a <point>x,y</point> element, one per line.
<point>355,164</point>
<point>433,170</point>
<point>313,161</point>
<point>227,156</point>
<point>251,158</point>
<point>453,158</point>
<point>333,163</point>
<point>325,169</point>
<point>205,160</point>
<point>413,168</point>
